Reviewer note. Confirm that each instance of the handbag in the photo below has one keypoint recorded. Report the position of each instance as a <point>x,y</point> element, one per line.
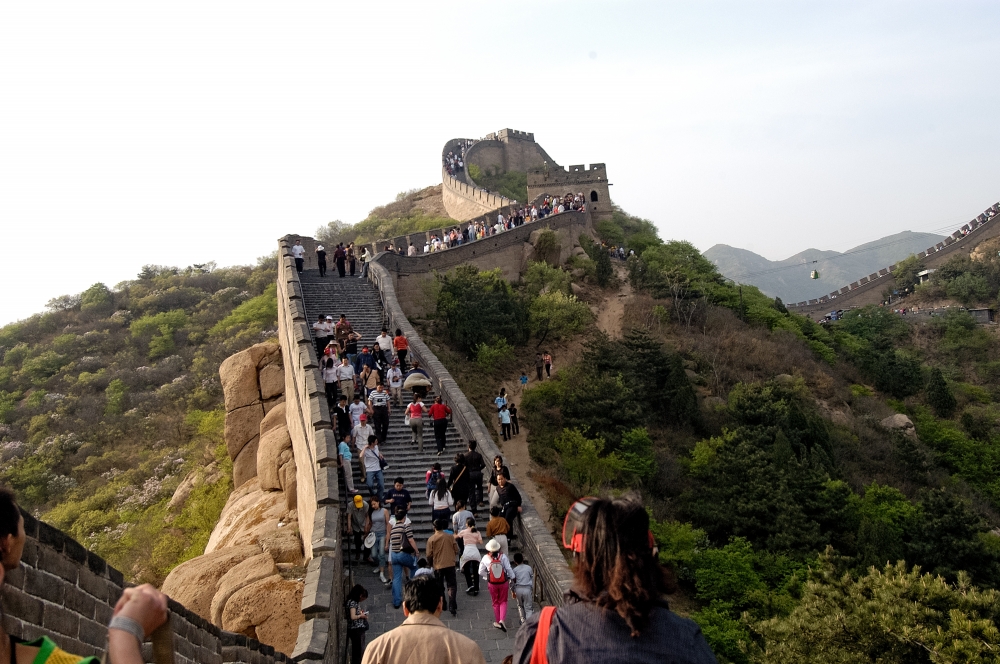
<point>382,463</point>
<point>406,416</point>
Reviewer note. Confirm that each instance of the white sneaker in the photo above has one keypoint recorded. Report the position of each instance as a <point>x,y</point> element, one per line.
<point>503,626</point>
<point>497,625</point>
<point>381,575</point>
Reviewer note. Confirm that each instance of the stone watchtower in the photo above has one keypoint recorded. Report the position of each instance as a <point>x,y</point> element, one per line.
<point>591,182</point>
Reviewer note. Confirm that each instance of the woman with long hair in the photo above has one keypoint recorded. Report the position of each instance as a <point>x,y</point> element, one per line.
<point>615,611</point>
<point>441,501</point>
<point>472,539</point>
<point>357,621</point>
<point>498,469</point>
<point>140,609</point>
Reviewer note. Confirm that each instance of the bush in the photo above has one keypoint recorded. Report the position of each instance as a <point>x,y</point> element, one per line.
<point>939,396</point>
<point>494,355</point>
<point>541,276</point>
<point>477,307</point>
<point>547,247</point>
<point>97,301</point>
<point>556,315</point>
<point>249,318</point>
<point>581,459</point>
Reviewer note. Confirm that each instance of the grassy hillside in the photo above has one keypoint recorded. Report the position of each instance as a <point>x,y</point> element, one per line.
<point>412,211</point>
<point>755,438</point>
<point>112,397</point>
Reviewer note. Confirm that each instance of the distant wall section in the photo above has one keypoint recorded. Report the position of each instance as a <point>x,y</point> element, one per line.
<point>592,182</point>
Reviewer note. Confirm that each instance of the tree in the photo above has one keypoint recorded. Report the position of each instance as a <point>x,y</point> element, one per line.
<point>557,315</point>
<point>939,396</point>
<point>905,274</point>
<point>97,301</point>
<point>478,306</point>
<point>604,272</point>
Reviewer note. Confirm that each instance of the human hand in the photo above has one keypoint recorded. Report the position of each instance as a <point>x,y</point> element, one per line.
<point>144,604</point>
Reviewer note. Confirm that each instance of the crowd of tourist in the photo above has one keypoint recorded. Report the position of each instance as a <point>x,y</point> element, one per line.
<point>454,161</point>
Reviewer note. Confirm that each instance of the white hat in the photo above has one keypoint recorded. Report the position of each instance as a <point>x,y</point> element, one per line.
<point>493,545</point>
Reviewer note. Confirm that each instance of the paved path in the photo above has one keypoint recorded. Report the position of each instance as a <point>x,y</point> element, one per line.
<point>359,300</point>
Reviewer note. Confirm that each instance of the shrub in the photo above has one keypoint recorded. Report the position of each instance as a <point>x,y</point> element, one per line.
<point>541,276</point>
<point>939,396</point>
<point>97,301</point>
<point>556,315</point>
<point>581,459</point>
<point>547,246</point>
<point>491,356</point>
<point>477,306</point>
<point>116,393</point>
<point>249,318</point>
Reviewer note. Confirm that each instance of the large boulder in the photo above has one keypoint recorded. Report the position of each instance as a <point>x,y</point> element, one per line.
<point>193,583</point>
<point>274,450</point>
<point>245,463</point>
<point>273,418</point>
<point>238,374</point>
<point>272,381</point>
<point>249,514</point>
<point>900,422</point>
<point>250,570</point>
<point>264,354</point>
<point>269,610</point>
<point>242,426</point>
<point>284,545</point>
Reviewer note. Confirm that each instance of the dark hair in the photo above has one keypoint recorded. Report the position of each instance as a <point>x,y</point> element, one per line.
<point>518,558</point>
<point>357,594</point>
<point>470,523</point>
<point>473,444</point>
<point>442,487</point>
<point>436,466</point>
<point>422,562</point>
<point>617,570</point>
<point>423,593</point>
<point>372,439</point>
<point>495,460</point>
<point>460,459</point>
<point>400,513</point>
<point>399,332</point>
<point>458,504</point>
<point>399,480</point>
<point>494,511</point>
<point>10,515</point>
<point>440,524</point>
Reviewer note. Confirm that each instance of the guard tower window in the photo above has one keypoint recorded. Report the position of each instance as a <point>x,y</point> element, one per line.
<point>593,197</point>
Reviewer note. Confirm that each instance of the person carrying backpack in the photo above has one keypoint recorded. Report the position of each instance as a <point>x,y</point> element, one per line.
<point>496,569</point>
<point>431,479</point>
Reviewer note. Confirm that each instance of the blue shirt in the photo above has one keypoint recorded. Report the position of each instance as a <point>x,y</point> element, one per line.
<point>344,450</point>
<point>504,417</point>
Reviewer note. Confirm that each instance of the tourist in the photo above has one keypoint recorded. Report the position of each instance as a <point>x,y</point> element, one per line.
<point>431,479</point>
<point>415,413</point>
<point>365,359</point>
<point>617,594</point>
<point>298,253</point>
<point>501,401</point>
<point>458,480</point>
<point>547,359</point>
<point>441,552</point>
<point>524,380</point>
<point>460,516</point>
<point>340,259</point>
<point>371,460</point>
<point>441,501</point>
<point>475,463</point>
<point>383,348</point>
<point>343,330</point>
<point>417,380</point>
<point>497,528</point>
<point>344,456</point>
<point>539,365</point>
<point>368,378</point>
<point>439,417</point>
<point>342,417</point>
<point>402,345</point>
<point>321,260</point>
<point>515,428</point>
<point>356,516</point>
<point>345,378</point>
<point>509,499</point>
<point>378,405</point>
<point>398,496</point>
<point>329,373</point>
<point>352,258</point>
<point>472,539</point>
<point>423,569</point>
<point>395,379</point>
<point>497,469</point>
<point>504,422</point>
<point>366,258</point>
<point>411,251</point>
<point>138,613</point>
<point>357,621</point>
<point>378,523</point>
<point>322,332</point>
<point>359,414</point>
<point>423,637</point>
<point>523,587</point>
<point>403,553</point>
<point>496,569</point>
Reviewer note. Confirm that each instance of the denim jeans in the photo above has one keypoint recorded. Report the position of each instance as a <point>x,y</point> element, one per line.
<point>378,553</point>
<point>373,478</point>
<point>399,561</point>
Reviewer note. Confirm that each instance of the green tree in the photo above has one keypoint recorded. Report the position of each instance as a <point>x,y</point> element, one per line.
<point>477,306</point>
<point>116,393</point>
<point>97,301</point>
<point>556,315</point>
<point>939,396</point>
<point>604,272</point>
<point>905,274</point>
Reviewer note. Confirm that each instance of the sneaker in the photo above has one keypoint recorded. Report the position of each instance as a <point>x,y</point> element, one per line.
<point>497,625</point>
<point>439,453</point>
<point>503,627</point>
<point>381,576</point>
<point>454,612</point>
<point>468,591</point>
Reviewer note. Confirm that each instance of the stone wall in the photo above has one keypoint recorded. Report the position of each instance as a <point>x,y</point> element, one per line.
<point>552,573</point>
<point>315,453</point>
<point>67,593</point>
<point>510,251</point>
<point>464,202</point>
<point>868,289</point>
<point>592,182</point>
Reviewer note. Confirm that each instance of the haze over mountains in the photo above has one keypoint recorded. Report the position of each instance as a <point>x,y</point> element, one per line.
<point>789,278</point>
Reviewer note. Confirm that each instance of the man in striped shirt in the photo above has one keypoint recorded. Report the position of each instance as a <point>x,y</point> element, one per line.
<point>378,402</point>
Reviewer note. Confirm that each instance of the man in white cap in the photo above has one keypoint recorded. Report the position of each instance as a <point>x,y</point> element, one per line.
<point>321,259</point>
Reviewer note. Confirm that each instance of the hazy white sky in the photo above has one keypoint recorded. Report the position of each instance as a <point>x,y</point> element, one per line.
<point>183,132</point>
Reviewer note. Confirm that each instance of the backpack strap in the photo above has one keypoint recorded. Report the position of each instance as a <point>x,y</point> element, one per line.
<point>538,654</point>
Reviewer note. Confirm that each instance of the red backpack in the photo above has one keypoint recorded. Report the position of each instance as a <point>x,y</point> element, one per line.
<point>495,569</point>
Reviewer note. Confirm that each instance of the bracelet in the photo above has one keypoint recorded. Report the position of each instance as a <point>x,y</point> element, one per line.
<point>126,624</point>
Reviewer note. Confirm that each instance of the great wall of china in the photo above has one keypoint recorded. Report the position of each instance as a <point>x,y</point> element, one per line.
<point>285,513</point>
<point>870,289</point>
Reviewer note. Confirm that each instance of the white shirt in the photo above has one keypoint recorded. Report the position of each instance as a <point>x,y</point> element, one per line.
<point>484,566</point>
<point>412,251</point>
<point>298,251</point>
<point>395,377</point>
<point>384,342</point>
<point>360,435</point>
<point>524,576</point>
<point>345,372</point>
<point>357,410</point>
<point>440,503</point>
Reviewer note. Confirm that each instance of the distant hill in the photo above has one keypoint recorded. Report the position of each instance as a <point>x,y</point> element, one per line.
<point>836,269</point>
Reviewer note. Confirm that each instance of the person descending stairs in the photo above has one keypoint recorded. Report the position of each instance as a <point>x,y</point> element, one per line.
<point>359,301</point>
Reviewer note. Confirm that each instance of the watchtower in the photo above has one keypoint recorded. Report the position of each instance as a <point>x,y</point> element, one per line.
<point>591,182</point>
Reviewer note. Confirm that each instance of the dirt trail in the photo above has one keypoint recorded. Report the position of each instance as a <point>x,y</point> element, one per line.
<point>609,314</point>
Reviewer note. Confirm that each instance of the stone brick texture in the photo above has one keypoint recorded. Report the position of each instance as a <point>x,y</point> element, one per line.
<point>68,593</point>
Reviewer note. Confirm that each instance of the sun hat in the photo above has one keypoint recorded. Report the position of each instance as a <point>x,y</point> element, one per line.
<point>370,540</point>
<point>493,546</point>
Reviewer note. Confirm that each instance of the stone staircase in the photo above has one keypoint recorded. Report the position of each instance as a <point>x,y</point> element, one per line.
<point>360,302</point>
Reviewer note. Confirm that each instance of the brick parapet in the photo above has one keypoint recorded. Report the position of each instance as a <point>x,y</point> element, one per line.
<point>65,592</point>
<point>307,416</point>
<point>553,576</point>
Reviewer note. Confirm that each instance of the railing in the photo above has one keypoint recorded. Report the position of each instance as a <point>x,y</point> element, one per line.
<point>553,576</point>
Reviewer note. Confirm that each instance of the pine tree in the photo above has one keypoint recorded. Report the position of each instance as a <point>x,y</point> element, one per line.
<point>939,396</point>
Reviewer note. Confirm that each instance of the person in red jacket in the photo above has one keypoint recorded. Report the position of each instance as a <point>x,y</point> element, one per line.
<point>439,415</point>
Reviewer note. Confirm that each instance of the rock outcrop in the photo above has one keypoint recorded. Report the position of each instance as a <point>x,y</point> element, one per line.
<point>236,583</point>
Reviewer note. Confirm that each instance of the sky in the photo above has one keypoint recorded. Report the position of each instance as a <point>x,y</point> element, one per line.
<point>185,132</point>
